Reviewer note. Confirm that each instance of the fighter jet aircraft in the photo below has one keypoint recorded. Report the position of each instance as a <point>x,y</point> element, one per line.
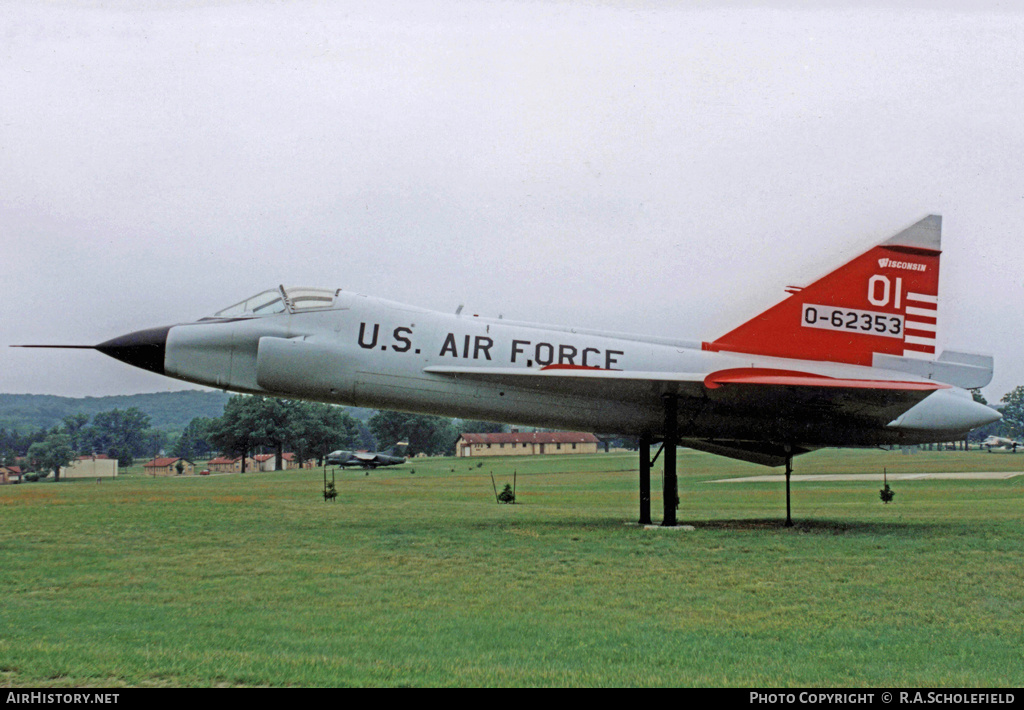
<point>999,442</point>
<point>848,360</point>
<point>365,459</point>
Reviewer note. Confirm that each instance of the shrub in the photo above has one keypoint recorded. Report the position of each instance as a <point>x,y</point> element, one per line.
<point>886,494</point>
<point>506,495</point>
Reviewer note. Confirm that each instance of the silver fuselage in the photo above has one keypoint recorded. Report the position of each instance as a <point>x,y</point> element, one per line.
<point>371,352</point>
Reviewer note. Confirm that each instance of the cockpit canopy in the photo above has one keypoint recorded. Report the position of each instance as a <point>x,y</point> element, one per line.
<point>294,299</point>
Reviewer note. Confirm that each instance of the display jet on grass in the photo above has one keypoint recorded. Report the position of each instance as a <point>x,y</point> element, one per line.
<point>363,459</point>
<point>849,360</point>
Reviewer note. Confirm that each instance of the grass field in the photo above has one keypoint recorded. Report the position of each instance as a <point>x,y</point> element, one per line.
<point>415,576</point>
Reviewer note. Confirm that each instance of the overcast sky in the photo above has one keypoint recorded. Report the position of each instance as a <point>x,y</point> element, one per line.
<point>662,168</point>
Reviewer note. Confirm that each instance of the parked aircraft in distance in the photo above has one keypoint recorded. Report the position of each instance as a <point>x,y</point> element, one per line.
<point>999,442</point>
<point>849,360</point>
<point>365,459</point>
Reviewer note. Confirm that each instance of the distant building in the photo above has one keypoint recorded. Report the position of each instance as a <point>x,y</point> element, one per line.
<point>95,466</point>
<point>169,467</point>
<point>10,474</point>
<point>223,464</point>
<point>526,443</point>
<point>268,462</point>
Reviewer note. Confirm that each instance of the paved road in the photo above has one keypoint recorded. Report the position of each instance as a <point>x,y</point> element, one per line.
<point>976,475</point>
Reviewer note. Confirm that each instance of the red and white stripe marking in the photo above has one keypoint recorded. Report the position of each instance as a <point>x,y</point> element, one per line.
<point>920,326</point>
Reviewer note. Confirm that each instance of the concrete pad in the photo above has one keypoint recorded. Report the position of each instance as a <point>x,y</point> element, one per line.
<point>971,475</point>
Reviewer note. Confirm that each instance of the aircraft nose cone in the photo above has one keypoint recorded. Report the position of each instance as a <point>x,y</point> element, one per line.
<point>143,348</point>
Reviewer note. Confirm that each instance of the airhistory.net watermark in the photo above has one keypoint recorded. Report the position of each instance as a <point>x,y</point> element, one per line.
<point>40,698</point>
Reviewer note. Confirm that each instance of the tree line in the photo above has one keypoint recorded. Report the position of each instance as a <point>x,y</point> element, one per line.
<point>251,424</point>
<point>120,433</point>
<point>311,430</point>
<point>168,411</point>
<point>248,425</point>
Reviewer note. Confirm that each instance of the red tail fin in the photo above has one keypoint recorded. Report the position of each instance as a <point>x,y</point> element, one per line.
<point>884,301</point>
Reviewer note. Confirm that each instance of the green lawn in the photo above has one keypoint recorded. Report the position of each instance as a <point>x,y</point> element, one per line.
<point>415,576</point>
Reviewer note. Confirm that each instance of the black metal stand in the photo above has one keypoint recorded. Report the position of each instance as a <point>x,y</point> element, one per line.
<point>645,479</point>
<point>789,471</point>
<point>670,492</point>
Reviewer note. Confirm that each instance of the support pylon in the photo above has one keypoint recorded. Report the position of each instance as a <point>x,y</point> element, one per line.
<point>670,488</point>
<point>645,479</point>
<point>789,471</point>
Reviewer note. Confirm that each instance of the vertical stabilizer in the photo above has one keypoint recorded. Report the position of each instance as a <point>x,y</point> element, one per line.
<point>885,301</point>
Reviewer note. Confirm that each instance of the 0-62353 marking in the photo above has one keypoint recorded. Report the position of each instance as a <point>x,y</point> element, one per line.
<point>852,320</point>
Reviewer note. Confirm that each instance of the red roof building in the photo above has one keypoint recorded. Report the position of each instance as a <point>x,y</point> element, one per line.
<point>223,464</point>
<point>268,462</point>
<point>10,474</point>
<point>534,443</point>
<point>168,467</point>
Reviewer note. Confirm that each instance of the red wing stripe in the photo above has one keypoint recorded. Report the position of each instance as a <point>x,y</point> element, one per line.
<point>766,376</point>
<point>571,367</point>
